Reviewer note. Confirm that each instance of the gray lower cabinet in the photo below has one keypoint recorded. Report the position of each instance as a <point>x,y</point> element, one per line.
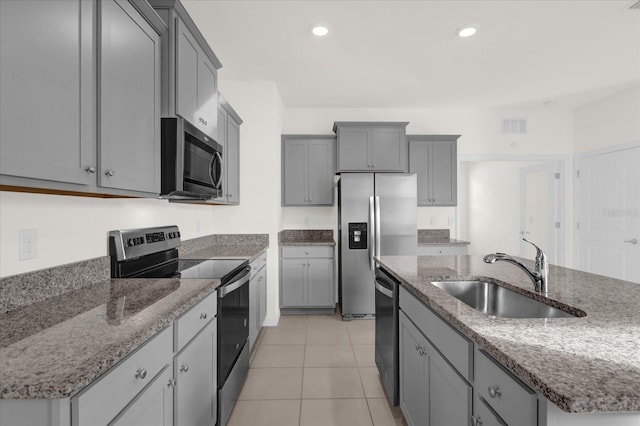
<point>433,158</point>
<point>129,137</point>
<point>189,69</point>
<point>194,370</point>
<point>308,167</point>
<point>257,297</point>
<point>154,405</point>
<point>229,137</point>
<point>307,278</point>
<point>431,391</point>
<point>371,146</point>
<point>72,125</point>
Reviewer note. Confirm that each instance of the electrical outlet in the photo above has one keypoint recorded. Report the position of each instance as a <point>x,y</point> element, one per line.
<point>28,244</point>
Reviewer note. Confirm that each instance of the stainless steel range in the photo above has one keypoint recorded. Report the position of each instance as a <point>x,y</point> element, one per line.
<point>153,253</point>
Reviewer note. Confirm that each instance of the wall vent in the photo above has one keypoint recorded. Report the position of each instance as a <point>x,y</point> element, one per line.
<point>634,5</point>
<point>514,126</point>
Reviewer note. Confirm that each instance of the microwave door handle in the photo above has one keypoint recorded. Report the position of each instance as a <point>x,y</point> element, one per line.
<point>218,184</point>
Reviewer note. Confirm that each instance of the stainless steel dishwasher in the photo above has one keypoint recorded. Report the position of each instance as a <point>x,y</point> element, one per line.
<point>387,352</point>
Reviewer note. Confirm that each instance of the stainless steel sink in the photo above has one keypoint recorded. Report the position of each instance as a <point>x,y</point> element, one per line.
<point>495,300</point>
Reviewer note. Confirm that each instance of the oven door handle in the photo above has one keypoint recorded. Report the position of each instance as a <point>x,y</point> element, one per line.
<point>382,289</point>
<point>223,291</point>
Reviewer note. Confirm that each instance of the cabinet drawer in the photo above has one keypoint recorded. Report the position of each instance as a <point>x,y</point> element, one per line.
<point>456,348</point>
<point>102,401</point>
<point>512,400</point>
<point>441,250</point>
<point>307,251</point>
<point>194,320</point>
<point>258,264</point>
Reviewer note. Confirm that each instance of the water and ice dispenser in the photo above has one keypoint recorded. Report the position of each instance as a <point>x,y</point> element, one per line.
<point>358,235</point>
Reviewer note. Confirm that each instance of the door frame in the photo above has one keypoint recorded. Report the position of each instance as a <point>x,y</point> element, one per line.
<point>576,186</point>
<point>564,206</point>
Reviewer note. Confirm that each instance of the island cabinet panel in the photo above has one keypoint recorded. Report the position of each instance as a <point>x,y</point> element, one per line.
<point>308,167</point>
<point>371,146</point>
<point>47,106</point>
<point>307,278</point>
<point>153,406</point>
<point>257,297</point>
<point>129,100</point>
<point>414,383</point>
<point>433,158</point>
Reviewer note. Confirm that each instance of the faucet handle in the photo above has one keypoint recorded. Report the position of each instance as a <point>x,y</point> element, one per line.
<point>541,258</point>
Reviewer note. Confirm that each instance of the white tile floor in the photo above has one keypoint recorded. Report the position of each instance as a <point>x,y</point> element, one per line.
<point>315,370</point>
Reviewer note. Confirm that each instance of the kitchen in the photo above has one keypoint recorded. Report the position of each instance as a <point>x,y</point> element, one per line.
<point>553,131</point>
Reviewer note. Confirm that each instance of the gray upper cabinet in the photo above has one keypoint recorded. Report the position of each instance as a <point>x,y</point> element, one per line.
<point>229,137</point>
<point>371,146</point>
<point>189,69</point>
<point>433,158</point>
<point>47,106</point>
<point>50,138</point>
<point>308,167</point>
<point>129,95</point>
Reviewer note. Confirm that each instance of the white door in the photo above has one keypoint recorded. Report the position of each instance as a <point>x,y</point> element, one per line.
<point>540,211</point>
<point>608,212</point>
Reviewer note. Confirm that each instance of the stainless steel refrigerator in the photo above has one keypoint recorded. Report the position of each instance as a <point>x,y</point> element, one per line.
<point>377,215</point>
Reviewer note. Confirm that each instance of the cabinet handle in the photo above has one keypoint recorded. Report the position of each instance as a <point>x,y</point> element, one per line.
<point>110,173</point>
<point>634,241</point>
<point>476,421</point>
<point>203,316</point>
<point>306,252</point>
<point>184,368</point>
<point>141,373</point>
<point>90,169</point>
<point>494,391</point>
<point>245,322</point>
<point>172,383</point>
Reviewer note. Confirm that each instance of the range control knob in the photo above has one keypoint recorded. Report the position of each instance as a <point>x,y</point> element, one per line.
<point>130,242</point>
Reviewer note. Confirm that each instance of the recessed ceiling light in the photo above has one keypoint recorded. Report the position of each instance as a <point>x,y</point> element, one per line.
<point>320,31</point>
<point>466,31</point>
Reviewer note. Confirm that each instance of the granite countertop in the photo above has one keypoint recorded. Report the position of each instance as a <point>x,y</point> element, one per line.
<point>583,364</point>
<point>438,237</point>
<point>306,237</point>
<point>58,335</point>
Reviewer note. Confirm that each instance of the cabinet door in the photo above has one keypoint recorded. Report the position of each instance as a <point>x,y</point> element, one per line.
<point>187,64</point>
<point>320,282</point>
<point>195,375</point>
<point>262,297</point>
<point>254,313</point>
<point>232,155</point>
<point>414,379</point>
<point>449,394</point>
<point>321,168</point>
<point>129,100</point>
<point>443,174</point>
<point>295,172</point>
<point>207,112</point>
<point>153,406</point>
<point>484,415</point>
<point>388,150</point>
<point>47,102</point>
<point>353,149</point>
<point>419,159</point>
<point>294,282</point>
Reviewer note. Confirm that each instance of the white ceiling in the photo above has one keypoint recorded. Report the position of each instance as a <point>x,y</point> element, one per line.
<point>406,53</point>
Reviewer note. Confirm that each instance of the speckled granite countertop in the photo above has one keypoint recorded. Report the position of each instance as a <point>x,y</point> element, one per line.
<point>438,237</point>
<point>54,348</point>
<point>56,337</point>
<point>588,364</point>
<point>306,237</point>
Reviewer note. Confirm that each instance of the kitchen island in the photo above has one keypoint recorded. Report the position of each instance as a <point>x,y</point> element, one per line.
<point>588,364</point>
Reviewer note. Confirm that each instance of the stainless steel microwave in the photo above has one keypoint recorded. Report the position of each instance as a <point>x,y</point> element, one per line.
<point>191,162</point>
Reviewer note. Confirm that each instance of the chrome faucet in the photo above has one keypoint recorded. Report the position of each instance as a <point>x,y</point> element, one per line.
<point>539,276</point>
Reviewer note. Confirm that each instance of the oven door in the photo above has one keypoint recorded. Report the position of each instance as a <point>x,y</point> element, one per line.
<point>202,168</point>
<point>233,323</point>
<point>386,338</point>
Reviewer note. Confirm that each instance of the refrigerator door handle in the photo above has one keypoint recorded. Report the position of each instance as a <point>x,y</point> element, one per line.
<point>371,232</point>
<point>378,220</point>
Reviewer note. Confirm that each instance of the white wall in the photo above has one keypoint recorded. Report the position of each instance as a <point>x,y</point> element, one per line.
<point>75,228</point>
<point>613,120</point>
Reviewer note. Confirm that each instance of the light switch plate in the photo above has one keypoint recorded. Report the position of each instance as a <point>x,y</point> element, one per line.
<point>28,244</point>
